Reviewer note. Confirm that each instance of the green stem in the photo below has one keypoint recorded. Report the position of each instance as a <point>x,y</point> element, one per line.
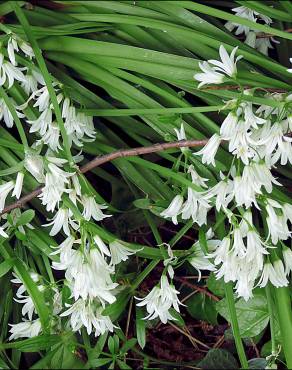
<point>269,293</point>
<point>13,112</point>
<point>235,326</point>
<point>142,111</point>
<point>283,304</point>
<point>46,75</point>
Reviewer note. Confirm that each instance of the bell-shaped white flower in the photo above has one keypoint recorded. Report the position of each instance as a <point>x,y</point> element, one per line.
<point>209,151</point>
<point>274,273</point>
<point>35,166</point>
<point>5,189</point>
<point>91,209</point>
<point>62,220</point>
<point>25,329</point>
<point>18,185</point>
<point>120,252</point>
<point>174,209</point>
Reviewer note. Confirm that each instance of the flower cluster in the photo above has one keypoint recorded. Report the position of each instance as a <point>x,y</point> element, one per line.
<point>257,138</point>
<point>253,38</point>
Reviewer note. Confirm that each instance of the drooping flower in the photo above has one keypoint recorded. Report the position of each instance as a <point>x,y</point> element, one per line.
<point>174,209</point>
<point>274,273</point>
<point>91,209</point>
<point>120,252</point>
<point>5,189</point>
<point>209,151</point>
<point>62,220</point>
<point>18,185</point>
<point>159,301</point>
<point>25,329</point>
<point>88,314</point>
<point>35,166</point>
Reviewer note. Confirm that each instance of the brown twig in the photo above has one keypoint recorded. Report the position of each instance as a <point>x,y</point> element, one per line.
<point>196,287</point>
<point>97,161</point>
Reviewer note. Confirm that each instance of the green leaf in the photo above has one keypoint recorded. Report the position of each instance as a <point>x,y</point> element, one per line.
<point>123,365</point>
<point>218,359</point>
<point>257,363</point>
<point>140,326</point>
<point>216,286</point>
<point>142,203</point>
<point>12,170</point>
<point>34,344</point>
<point>130,343</point>
<point>202,307</point>
<point>253,315</point>
<point>26,217</point>
<point>6,266</point>
<point>100,362</point>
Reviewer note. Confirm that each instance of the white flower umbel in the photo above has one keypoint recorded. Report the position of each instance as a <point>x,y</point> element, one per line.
<point>5,189</point>
<point>242,12</point>
<point>120,252</point>
<point>159,301</point>
<point>274,273</point>
<point>215,74</point>
<point>209,151</point>
<point>91,209</point>
<point>25,329</point>
<point>174,209</point>
<point>89,314</point>
<point>18,185</point>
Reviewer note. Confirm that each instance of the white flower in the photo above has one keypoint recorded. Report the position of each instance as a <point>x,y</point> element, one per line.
<point>87,273</point>
<point>14,43</point>
<point>290,70</point>
<point>88,314</point>
<point>181,135</point>
<point>277,222</point>
<point>209,151</point>
<point>10,72</point>
<point>159,301</point>
<point>66,252</point>
<point>101,246</point>
<point>91,209</point>
<point>274,273</point>
<point>51,137</point>
<point>3,233</point>
<point>229,126</point>
<point>61,220</point>
<point>209,75</point>
<point>52,192</point>
<point>42,123</point>
<point>32,79</point>
<point>120,252</point>
<point>174,209</point>
<point>199,261</point>
<point>18,185</point>
<point>244,192</point>
<point>196,206</point>
<point>287,256</point>
<point>223,193</point>
<point>25,329</point>
<point>5,189</point>
<point>242,12</point>
<point>35,166</point>
<point>6,114</point>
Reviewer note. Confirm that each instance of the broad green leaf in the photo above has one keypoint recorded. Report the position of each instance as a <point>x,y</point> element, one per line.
<point>253,315</point>
<point>34,344</point>
<point>218,359</point>
<point>6,266</point>
<point>216,286</point>
<point>202,307</point>
<point>26,217</point>
<point>257,363</point>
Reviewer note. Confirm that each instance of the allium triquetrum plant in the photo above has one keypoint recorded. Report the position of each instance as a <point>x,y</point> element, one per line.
<point>145,181</point>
